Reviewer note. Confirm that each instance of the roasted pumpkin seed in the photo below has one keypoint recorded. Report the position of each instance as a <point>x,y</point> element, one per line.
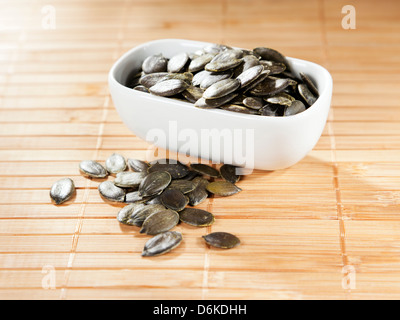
<point>155,63</point>
<point>126,212</point>
<point>306,94</point>
<point>138,165</point>
<point>139,215</point>
<point>222,240</point>
<point>92,169</point>
<point>115,163</point>
<point>221,88</point>
<point>129,179</point>
<point>249,75</point>
<point>311,86</point>
<point>200,62</point>
<point>154,183</point>
<point>222,188</point>
<point>199,194</point>
<point>196,217</point>
<point>62,190</point>
<point>205,169</point>
<point>111,192</point>
<point>177,62</point>
<point>295,108</point>
<point>134,197</point>
<point>228,172</point>
<point>159,222</point>
<point>184,186</point>
<point>169,88</point>
<point>176,170</point>
<point>162,243</point>
<point>174,199</point>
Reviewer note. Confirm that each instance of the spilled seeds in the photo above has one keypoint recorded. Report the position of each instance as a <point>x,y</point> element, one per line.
<point>160,194</point>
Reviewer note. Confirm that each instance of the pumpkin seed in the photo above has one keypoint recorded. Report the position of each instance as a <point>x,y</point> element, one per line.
<point>134,197</point>
<point>162,243</point>
<point>306,94</point>
<point>295,108</point>
<point>154,183</point>
<point>196,217</point>
<point>184,186</point>
<point>200,62</point>
<point>155,63</point>
<point>269,86</point>
<point>248,62</point>
<point>271,54</point>
<point>176,170</point>
<point>137,218</point>
<point>192,93</point>
<point>169,87</point>
<point>255,103</point>
<point>205,169</point>
<point>222,188</point>
<point>110,191</point>
<point>141,88</point>
<point>138,165</point>
<point>228,55</point>
<point>269,111</point>
<point>129,179</point>
<point>92,169</point>
<point>221,88</point>
<point>149,80</point>
<point>282,98</point>
<point>174,199</point>
<point>273,67</point>
<point>214,103</point>
<point>199,77</point>
<point>159,222</point>
<point>228,172</point>
<point>311,86</point>
<point>115,163</point>
<point>240,109</point>
<point>126,212</point>
<point>177,62</point>
<point>248,76</point>
<point>212,78</point>
<point>222,65</point>
<point>199,194</point>
<point>62,190</point>
<point>222,240</point>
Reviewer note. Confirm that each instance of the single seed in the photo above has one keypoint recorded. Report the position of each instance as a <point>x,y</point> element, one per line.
<point>92,169</point>
<point>228,172</point>
<point>174,199</point>
<point>223,188</point>
<point>196,217</point>
<point>222,240</point>
<point>154,183</point>
<point>115,163</point>
<point>110,191</point>
<point>160,221</point>
<point>62,190</point>
<point>162,243</point>
<point>205,169</point>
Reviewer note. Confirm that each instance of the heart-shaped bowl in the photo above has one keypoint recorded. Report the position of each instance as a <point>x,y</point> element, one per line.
<point>250,141</point>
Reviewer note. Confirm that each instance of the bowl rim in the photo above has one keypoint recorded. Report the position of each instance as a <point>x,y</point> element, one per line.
<point>312,109</point>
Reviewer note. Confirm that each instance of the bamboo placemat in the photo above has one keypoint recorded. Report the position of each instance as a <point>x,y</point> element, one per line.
<point>328,227</point>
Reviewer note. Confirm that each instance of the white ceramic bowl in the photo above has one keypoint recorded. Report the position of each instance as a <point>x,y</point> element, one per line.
<point>252,141</point>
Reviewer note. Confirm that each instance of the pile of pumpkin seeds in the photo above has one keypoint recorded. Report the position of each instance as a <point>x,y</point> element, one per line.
<point>159,195</point>
<point>257,82</point>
